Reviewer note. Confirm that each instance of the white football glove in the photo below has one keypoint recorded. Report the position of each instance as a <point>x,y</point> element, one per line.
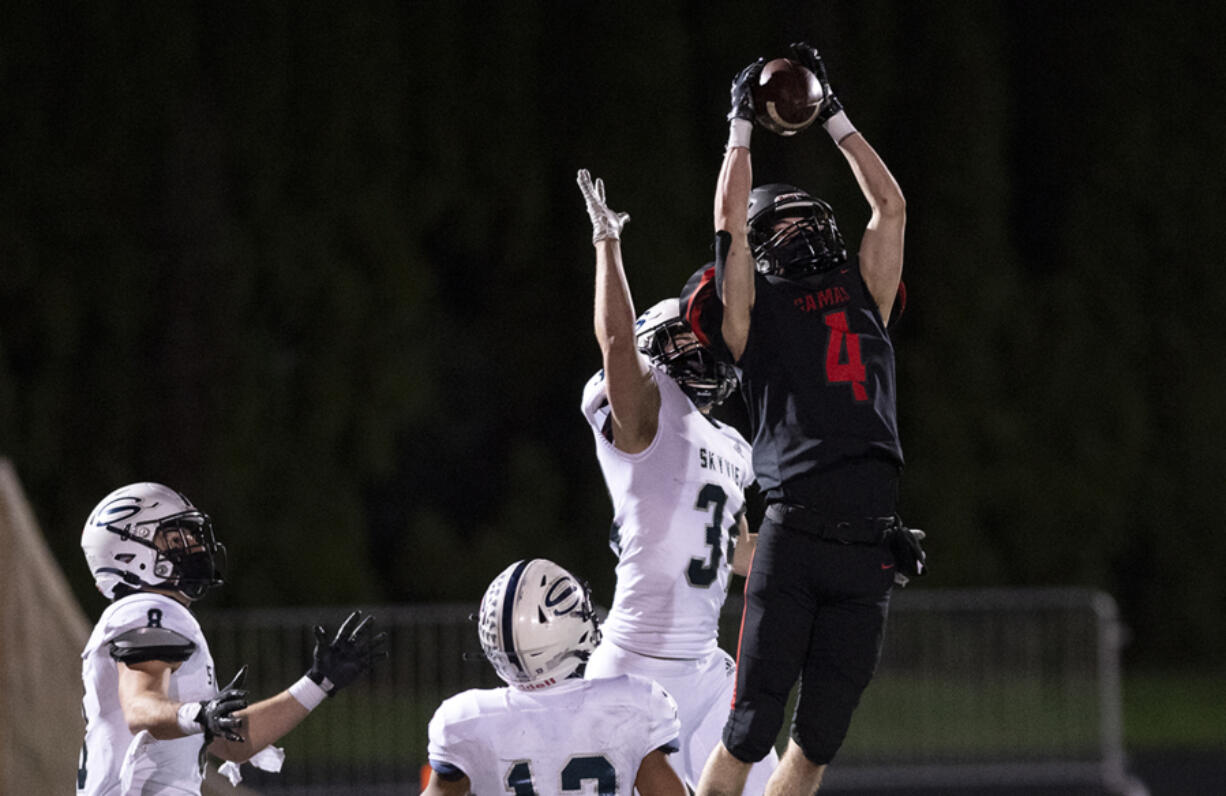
<point>606,224</point>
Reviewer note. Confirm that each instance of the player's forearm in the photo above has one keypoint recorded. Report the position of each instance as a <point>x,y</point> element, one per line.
<point>265,722</point>
<point>614,311</point>
<point>732,191</point>
<point>878,185</point>
<point>632,395</point>
<point>746,543</point>
<point>731,210</point>
<point>742,557</point>
<point>158,715</point>
<point>881,248</point>
<point>143,690</point>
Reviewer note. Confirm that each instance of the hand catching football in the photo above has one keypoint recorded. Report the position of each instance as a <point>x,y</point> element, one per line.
<point>788,97</point>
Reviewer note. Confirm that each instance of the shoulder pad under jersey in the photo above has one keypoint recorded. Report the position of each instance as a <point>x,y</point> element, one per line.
<point>142,644</point>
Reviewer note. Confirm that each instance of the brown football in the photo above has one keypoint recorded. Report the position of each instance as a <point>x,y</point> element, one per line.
<point>787,97</point>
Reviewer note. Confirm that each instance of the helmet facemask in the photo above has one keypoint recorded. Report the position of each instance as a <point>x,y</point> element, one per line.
<point>672,345</point>
<point>795,236</point>
<point>190,559</point>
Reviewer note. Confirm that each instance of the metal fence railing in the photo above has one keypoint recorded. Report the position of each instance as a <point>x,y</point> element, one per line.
<point>982,688</point>
<point>976,688</point>
<point>372,737</point>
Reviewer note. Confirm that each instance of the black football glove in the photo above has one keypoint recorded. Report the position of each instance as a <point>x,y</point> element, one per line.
<point>216,714</point>
<point>909,557</point>
<point>742,91</point>
<point>340,661</point>
<point>808,55</point>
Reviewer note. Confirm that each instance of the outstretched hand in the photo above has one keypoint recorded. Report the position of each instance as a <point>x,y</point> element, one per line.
<point>606,224</point>
<point>808,55</point>
<point>742,91</point>
<point>339,662</point>
<point>217,714</point>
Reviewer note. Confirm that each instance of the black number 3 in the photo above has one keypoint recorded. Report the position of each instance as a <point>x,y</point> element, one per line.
<point>700,574</point>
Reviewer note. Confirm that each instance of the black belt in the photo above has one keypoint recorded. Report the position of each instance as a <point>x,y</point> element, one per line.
<point>868,530</point>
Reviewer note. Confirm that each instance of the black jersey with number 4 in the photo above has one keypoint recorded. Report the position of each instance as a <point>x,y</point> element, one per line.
<point>817,377</point>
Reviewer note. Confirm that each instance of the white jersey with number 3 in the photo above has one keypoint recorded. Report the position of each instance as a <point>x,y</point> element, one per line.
<point>154,767</point>
<point>580,736</point>
<point>674,517</point>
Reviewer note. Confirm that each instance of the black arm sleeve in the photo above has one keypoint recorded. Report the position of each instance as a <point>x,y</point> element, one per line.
<point>723,240</point>
<point>151,644</point>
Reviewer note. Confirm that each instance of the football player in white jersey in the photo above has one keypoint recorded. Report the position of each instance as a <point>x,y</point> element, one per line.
<point>152,703</point>
<point>677,478</point>
<point>550,732</point>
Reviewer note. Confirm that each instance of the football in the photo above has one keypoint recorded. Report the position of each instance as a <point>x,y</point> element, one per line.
<point>787,97</point>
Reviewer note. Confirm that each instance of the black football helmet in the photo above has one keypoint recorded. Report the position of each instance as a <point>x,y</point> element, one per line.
<point>793,234</point>
<point>664,335</point>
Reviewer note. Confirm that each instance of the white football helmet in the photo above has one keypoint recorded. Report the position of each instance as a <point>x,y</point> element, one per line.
<point>147,535</point>
<point>537,625</point>
<point>666,338</point>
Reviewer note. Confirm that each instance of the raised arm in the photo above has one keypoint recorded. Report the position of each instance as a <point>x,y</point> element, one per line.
<point>881,248</point>
<point>634,399</point>
<point>734,262</point>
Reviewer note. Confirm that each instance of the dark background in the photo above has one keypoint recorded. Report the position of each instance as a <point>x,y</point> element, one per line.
<point>325,269</point>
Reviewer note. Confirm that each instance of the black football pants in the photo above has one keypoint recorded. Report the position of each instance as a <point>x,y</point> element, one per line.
<point>814,609</point>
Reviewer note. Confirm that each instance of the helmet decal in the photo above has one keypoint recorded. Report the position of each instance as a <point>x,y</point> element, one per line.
<point>117,510</point>
<point>508,616</point>
<point>562,591</point>
<point>536,624</point>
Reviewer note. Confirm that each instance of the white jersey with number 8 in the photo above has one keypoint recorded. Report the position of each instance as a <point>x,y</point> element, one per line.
<point>171,766</point>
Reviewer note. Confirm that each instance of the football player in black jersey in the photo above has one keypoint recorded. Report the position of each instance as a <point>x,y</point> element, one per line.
<point>807,326</point>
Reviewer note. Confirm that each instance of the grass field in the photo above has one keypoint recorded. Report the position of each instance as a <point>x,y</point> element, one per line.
<point>1175,710</point>
<point>1161,710</point>
<point>967,689</point>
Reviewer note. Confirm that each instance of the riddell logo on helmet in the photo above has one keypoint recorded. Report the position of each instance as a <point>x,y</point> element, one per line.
<point>538,686</point>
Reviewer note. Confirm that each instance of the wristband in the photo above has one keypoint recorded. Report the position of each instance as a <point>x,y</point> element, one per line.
<point>738,133</point>
<point>188,712</point>
<point>839,126</point>
<point>308,693</point>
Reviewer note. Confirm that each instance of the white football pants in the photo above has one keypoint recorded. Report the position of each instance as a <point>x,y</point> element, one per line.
<point>702,689</point>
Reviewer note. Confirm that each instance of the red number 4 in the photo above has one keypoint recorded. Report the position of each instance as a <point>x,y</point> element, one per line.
<point>840,367</point>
